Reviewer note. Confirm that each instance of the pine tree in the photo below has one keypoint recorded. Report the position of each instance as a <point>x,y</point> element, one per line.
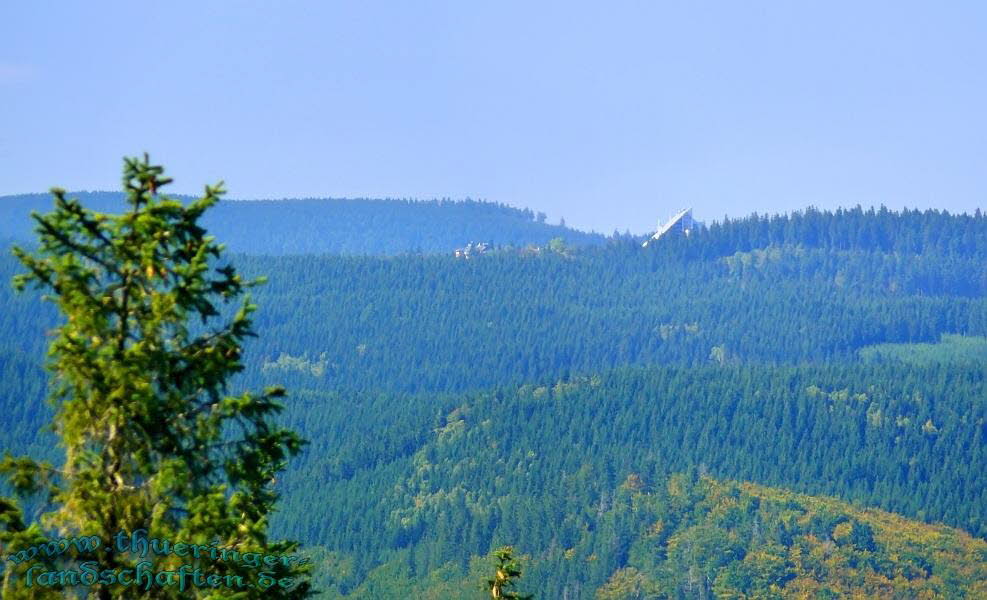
<point>156,446</point>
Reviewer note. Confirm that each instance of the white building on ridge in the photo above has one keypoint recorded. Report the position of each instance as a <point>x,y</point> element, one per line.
<point>681,223</point>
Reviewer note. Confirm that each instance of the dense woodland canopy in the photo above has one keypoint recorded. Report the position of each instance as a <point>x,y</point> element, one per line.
<point>357,226</point>
<point>591,405</point>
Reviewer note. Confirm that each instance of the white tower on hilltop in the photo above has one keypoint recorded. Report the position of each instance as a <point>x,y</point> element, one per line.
<point>681,223</point>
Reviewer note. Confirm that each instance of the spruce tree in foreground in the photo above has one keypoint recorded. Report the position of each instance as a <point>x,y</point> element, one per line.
<point>155,445</point>
<point>507,572</point>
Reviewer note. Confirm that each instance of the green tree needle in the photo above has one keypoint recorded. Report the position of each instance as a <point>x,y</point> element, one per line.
<point>153,438</point>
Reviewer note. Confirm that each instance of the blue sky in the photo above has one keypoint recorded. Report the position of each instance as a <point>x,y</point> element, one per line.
<point>610,114</point>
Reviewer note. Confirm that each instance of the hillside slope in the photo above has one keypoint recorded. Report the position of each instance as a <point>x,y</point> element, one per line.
<point>335,226</point>
<point>546,400</point>
<point>697,537</point>
<point>430,480</point>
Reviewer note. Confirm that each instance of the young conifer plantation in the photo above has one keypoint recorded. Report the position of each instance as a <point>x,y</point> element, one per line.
<point>788,406</point>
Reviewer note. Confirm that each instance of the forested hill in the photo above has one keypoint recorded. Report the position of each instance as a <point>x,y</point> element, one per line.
<point>907,232</point>
<point>591,405</point>
<point>335,226</point>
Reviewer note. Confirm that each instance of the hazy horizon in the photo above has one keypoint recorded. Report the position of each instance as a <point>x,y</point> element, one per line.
<point>659,219</point>
<point>611,117</point>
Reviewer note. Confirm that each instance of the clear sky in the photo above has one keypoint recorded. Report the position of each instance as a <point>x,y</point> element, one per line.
<point>610,114</point>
